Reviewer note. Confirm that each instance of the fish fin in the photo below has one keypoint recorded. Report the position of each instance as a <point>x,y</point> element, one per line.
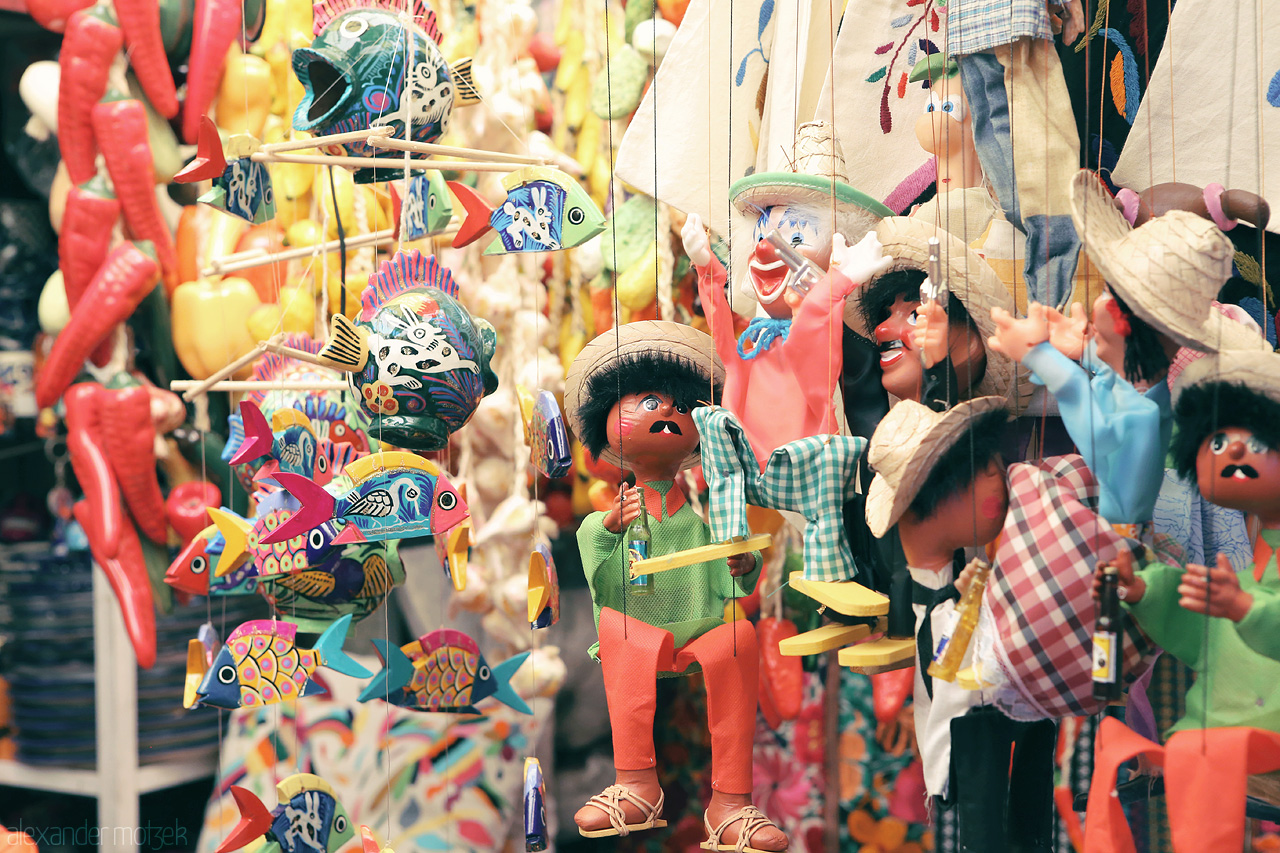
<point>313,688</point>
<point>464,87</point>
<point>324,11</point>
<point>396,672</point>
<point>298,783</point>
<point>235,436</point>
<point>349,534</point>
<point>539,584</point>
<point>283,418</point>
<point>315,507</point>
<point>348,347</point>
<point>235,532</point>
<point>403,272</point>
<point>210,162</point>
<point>266,475</point>
<point>313,583</point>
<point>368,843</point>
<point>505,693</point>
<point>255,820</point>
<point>197,666</point>
<point>257,434</point>
<point>475,217</point>
<point>331,654</point>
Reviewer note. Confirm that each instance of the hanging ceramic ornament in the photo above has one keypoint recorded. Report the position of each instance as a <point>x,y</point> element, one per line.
<point>443,671</point>
<point>427,208</point>
<point>418,362</point>
<point>394,495</point>
<point>535,807</point>
<point>545,210</point>
<point>544,588</point>
<point>244,541</point>
<point>545,433</point>
<point>453,548</point>
<point>351,579</point>
<point>260,664</point>
<point>354,77</point>
<point>308,819</point>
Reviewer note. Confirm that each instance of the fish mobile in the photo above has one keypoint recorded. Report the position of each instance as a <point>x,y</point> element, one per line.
<point>291,442</point>
<point>307,819</point>
<point>395,495</point>
<point>545,433</point>
<point>417,361</point>
<point>535,807</point>
<point>426,209</point>
<point>445,672</point>
<point>241,186</point>
<point>260,664</point>
<point>453,547</point>
<point>544,588</point>
<point>544,211</point>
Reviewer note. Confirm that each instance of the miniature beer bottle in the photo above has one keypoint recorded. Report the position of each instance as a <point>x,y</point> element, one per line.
<point>638,549</point>
<point>949,653</point>
<point>1107,640</point>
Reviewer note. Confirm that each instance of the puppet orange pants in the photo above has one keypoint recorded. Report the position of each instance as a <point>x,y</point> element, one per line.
<point>632,659</point>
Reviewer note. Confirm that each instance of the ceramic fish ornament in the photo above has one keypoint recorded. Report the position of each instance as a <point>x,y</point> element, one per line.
<point>369,842</point>
<point>545,433</point>
<point>354,76</point>
<point>535,807</point>
<point>417,361</point>
<point>443,671</point>
<point>194,570</point>
<point>426,209</point>
<point>395,495</point>
<point>544,588</point>
<point>261,665</point>
<point>241,187</point>
<point>545,210</point>
<point>308,819</point>
<point>200,652</point>
<point>453,547</point>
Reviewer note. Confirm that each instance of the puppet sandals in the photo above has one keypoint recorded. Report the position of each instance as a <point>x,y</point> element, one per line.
<point>610,801</point>
<point>752,819</point>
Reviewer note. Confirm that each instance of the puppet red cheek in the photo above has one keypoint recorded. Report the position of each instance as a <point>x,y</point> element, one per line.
<point>626,426</point>
<point>991,508</point>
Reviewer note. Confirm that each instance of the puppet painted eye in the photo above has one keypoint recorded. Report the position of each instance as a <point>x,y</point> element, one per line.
<point>1255,445</point>
<point>954,107</point>
<point>681,408</point>
<point>913,319</point>
<point>1219,442</point>
<point>198,565</point>
<point>651,403</point>
<point>935,103</point>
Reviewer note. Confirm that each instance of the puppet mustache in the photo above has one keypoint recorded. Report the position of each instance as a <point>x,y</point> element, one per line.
<point>666,426</point>
<point>1245,470</point>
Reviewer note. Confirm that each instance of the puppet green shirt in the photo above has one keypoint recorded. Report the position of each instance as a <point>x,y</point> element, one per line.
<point>687,601</point>
<point>1239,686</point>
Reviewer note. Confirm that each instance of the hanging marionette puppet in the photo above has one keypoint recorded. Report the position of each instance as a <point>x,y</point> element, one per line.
<point>941,480</point>
<point>1227,414</point>
<point>1009,66</point>
<point>628,397</point>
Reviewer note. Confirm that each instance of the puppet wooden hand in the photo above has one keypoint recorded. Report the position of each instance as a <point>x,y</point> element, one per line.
<point>626,509</point>
<point>965,577</point>
<point>931,333</point>
<point>861,262</point>
<point>1066,334</point>
<point>1215,591</point>
<point>1016,337</point>
<point>1131,587</point>
<point>696,244</point>
<point>741,564</point>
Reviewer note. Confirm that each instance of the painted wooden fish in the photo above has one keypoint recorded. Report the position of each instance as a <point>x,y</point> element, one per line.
<point>308,819</point>
<point>453,547</point>
<point>291,443</point>
<point>241,187</point>
<point>535,807</point>
<point>194,570</point>
<point>260,664</point>
<point>545,433</point>
<point>426,209</point>
<point>353,579</point>
<point>544,588</point>
<point>443,671</point>
<point>396,495</point>
<point>354,76</point>
<point>245,537</point>
<point>545,210</point>
<point>417,361</point>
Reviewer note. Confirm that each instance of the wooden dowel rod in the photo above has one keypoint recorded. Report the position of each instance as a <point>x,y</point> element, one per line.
<point>331,139</point>
<point>248,260</point>
<point>701,554</point>
<point>300,355</point>
<point>454,151</point>
<point>258,385</point>
<point>202,386</point>
<point>385,163</point>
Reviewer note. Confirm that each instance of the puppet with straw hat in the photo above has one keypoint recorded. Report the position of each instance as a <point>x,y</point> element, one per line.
<point>628,397</point>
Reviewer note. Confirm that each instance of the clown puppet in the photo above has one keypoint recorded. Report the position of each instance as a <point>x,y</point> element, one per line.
<point>628,397</point>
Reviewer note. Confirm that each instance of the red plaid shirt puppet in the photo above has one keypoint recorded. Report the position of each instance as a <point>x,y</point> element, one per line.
<point>1040,593</point>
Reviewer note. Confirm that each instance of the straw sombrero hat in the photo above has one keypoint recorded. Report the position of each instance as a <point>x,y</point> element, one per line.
<point>819,174</point>
<point>969,277</point>
<point>675,342</point>
<point>905,447</point>
<point>1167,271</point>
<point>1257,370</point>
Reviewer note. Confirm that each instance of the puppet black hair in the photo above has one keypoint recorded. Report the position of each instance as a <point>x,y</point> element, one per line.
<point>1145,359</point>
<point>878,298</point>
<point>653,370</point>
<point>1206,408</point>
<point>956,469</point>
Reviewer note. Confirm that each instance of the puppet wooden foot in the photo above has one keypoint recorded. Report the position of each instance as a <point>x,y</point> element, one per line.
<point>740,827</point>
<point>847,597</point>
<point>823,639</point>
<point>619,810</point>
<point>881,655</point>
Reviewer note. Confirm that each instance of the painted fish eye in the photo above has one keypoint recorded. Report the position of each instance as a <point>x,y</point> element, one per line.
<point>353,27</point>
<point>227,674</point>
<point>411,493</point>
<point>316,539</point>
<point>322,464</point>
<point>447,500</point>
<point>1219,442</point>
<point>198,565</point>
<point>484,673</point>
<point>431,202</point>
<point>339,824</point>
<point>575,216</point>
